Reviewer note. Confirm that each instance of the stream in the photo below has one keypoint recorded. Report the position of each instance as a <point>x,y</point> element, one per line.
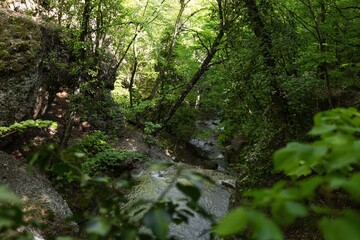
<point>214,197</point>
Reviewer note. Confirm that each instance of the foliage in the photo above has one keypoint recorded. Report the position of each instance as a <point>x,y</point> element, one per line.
<point>278,63</point>
<point>326,168</point>
<point>98,108</point>
<point>18,52</point>
<point>24,125</point>
<point>11,216</point>
<point>101,159</point>
<point>182,124</point>
<point>151,127</point>
<point>110,162</point>
<point>94,143</point>
<point>116,217</point>
<point>303,60</point>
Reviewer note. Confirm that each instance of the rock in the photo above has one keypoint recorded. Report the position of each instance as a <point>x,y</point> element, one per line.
<point>211,164</point>
<point>37,193</point>
<point>17,5</point>
<point>231,183</point>
<point>11,6</point>
<point>237,143</point>
<point>207,148</point>
<point>35,62</point>
<point>200,148</point>
<point>214,197</point>
<point>24,62</point>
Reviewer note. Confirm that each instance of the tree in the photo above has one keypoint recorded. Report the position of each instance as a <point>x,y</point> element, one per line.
<point>169,49</point>
<point>204,65</point>
<point>317,172</point>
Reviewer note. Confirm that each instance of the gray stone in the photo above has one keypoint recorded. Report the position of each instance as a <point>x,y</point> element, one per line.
<point>207,148</point>
<point>11,6</point>
<point>34,189</point>
<point>214,197</point>
<point>17,5</point>
<point>22,7</point>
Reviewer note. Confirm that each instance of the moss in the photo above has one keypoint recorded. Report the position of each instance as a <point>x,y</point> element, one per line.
<point>20,43</point>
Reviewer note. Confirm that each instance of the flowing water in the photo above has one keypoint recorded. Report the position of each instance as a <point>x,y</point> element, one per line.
<point>214,197</point>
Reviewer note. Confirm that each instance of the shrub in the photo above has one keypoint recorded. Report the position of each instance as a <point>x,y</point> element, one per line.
<point>94,143</point>
<point>110,162</point>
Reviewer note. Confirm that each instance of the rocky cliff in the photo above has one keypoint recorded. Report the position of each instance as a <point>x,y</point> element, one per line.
<point>20,5</point>
<point>34,63</point>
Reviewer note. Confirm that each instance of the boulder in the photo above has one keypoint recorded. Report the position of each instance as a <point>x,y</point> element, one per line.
<point>34,63</point>
<point>207,148</point>
<point>39,197</point>
<point>200,148</point>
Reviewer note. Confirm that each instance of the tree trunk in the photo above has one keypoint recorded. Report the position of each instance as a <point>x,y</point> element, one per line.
<point>324,65</point>
<point>133,72</point>
<point>170,50</point>
<point>85,28</point>
<point>190,85</point>
<point>262,34</point>
<point>85,24</point>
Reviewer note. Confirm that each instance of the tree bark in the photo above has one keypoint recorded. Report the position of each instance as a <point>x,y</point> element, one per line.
<point>133,72</point>
<point>324,65</point>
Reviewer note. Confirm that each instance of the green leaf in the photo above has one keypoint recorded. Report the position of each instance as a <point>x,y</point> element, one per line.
<point>264,228</point>
<point>11,217</point>
<point>189,190</point>
<point>285,212</point>
<point>343,156</point>
<point>8,197</point>
<point>346,227</point>
<point>234,222</point>
<point>54,125</point>
<point>322,129</point>
<point>298,159</point>
<point>337,120</point>
<point>129,234</point>
<point>264,197</point>
<point>98,226</point>
<point>296,209</point>
<point>158,221</point>
<point>353,187</point>
<point>307,187</point>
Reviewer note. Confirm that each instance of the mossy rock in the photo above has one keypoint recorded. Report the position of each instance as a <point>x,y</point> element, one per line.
<point>20,43</point>
<point>33,65</point>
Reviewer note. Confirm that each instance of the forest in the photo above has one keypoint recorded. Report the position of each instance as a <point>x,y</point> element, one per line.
<point>248,106</point>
